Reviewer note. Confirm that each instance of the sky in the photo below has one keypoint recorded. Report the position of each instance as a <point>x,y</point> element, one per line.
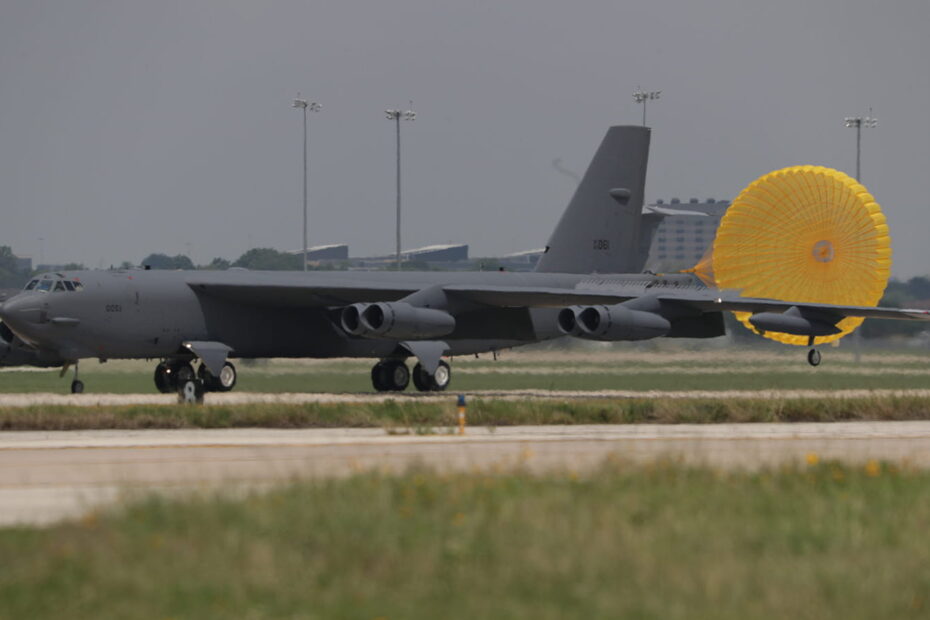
<point>131,127</point>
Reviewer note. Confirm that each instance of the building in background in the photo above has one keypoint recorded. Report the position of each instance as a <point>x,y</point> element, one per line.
<point>685,233</point>
<point>331,252</point>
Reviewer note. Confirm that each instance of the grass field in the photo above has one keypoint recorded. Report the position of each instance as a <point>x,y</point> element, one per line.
<point>424,416</point>
<point>826,541</point>
<point>632,369</point>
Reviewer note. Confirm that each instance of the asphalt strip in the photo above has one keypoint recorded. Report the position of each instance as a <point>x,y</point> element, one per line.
<point>251,398</point>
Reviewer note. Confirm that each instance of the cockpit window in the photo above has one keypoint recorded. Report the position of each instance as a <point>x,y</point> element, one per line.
<point>54,285</point>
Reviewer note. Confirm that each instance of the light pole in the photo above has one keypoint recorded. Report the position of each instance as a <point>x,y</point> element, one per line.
<point>313,106</point>
<point>396,115</point>
<point>858,122</point>
<point>640,96</point>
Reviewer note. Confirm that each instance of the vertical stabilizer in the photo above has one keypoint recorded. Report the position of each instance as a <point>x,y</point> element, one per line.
<point>599,231</point>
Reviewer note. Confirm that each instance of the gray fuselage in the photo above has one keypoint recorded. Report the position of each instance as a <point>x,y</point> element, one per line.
<point>150,313</point>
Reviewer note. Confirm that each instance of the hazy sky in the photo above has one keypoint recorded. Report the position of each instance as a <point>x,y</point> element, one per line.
<point>131,127</point>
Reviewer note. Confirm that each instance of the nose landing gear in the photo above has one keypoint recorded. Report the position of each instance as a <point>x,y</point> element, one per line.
<point>77,386</point>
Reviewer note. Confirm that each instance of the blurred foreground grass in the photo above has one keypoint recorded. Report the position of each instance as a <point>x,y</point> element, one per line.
<point>412,413</point>
<point>666,541</point>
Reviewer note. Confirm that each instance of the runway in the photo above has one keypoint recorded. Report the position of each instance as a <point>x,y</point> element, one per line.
<point>47,476</point>
<point>297,398</point>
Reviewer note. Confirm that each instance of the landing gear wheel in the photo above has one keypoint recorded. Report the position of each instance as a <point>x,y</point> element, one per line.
<point>421,379</point>
<point>813,357</point>
<point>227,379</point>
<point>182,372</point>
<point>398,375</point>
<point>379,378</point>
<point>223,383</point>
<point>390,376</point>
<point>442,377</point>
<point>77,387</point>
<point>437,382</point>
<point>190,392</point>
<point>163,379</point>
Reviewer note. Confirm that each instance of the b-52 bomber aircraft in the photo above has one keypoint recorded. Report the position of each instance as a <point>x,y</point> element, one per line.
<point>801,256</point>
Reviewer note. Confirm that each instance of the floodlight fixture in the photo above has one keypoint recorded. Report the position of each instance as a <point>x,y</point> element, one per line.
<point>641,96</point>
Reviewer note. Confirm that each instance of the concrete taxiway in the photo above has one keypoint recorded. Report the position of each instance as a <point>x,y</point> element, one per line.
<point>46,476</point>
<point>297,398</point>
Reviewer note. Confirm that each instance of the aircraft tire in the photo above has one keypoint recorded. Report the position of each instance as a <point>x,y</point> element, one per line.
<point>397,375</point>
<point>442,377</point>
<point>225,382</point>
<point>813,357</point>
<point>421,379</point>
<point>163,379</point>
<point>190,392</point>
<point>228,378</point>
<point>77,387</point>
<point>182,372</point>
<point>379,378</point>
<point>437,382</point>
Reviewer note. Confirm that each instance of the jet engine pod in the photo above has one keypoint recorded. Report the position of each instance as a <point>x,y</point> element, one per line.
<point>399,320</point>
<point>351,319</point>
<point>568,321</point>
<point>618,322</point>
<point>793,322</point>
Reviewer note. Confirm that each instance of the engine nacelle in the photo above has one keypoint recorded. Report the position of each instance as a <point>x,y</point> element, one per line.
<point>794,322</point>
<point>397,320</point>
<point>568,321</point>
<point>351,319</point>
<point>612,323</point>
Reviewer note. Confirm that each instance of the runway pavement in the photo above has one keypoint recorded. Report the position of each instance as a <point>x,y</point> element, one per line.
<point>245,398</point>
<point>46,476</point>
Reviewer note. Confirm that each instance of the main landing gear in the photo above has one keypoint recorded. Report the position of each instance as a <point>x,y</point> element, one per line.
<point>179,376</point>
<point>392,375</point>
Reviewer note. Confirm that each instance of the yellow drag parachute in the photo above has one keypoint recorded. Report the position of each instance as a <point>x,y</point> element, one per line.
<point>806,234</point>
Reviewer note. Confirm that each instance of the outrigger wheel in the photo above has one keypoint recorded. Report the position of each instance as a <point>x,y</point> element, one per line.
<point>806,234</point>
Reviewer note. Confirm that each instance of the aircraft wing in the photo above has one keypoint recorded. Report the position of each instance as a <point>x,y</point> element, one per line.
<point>723,301</point>
<point>705,301</point>
<point>542,297</point>
<point>286,293</point>
<point>299,295</point>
